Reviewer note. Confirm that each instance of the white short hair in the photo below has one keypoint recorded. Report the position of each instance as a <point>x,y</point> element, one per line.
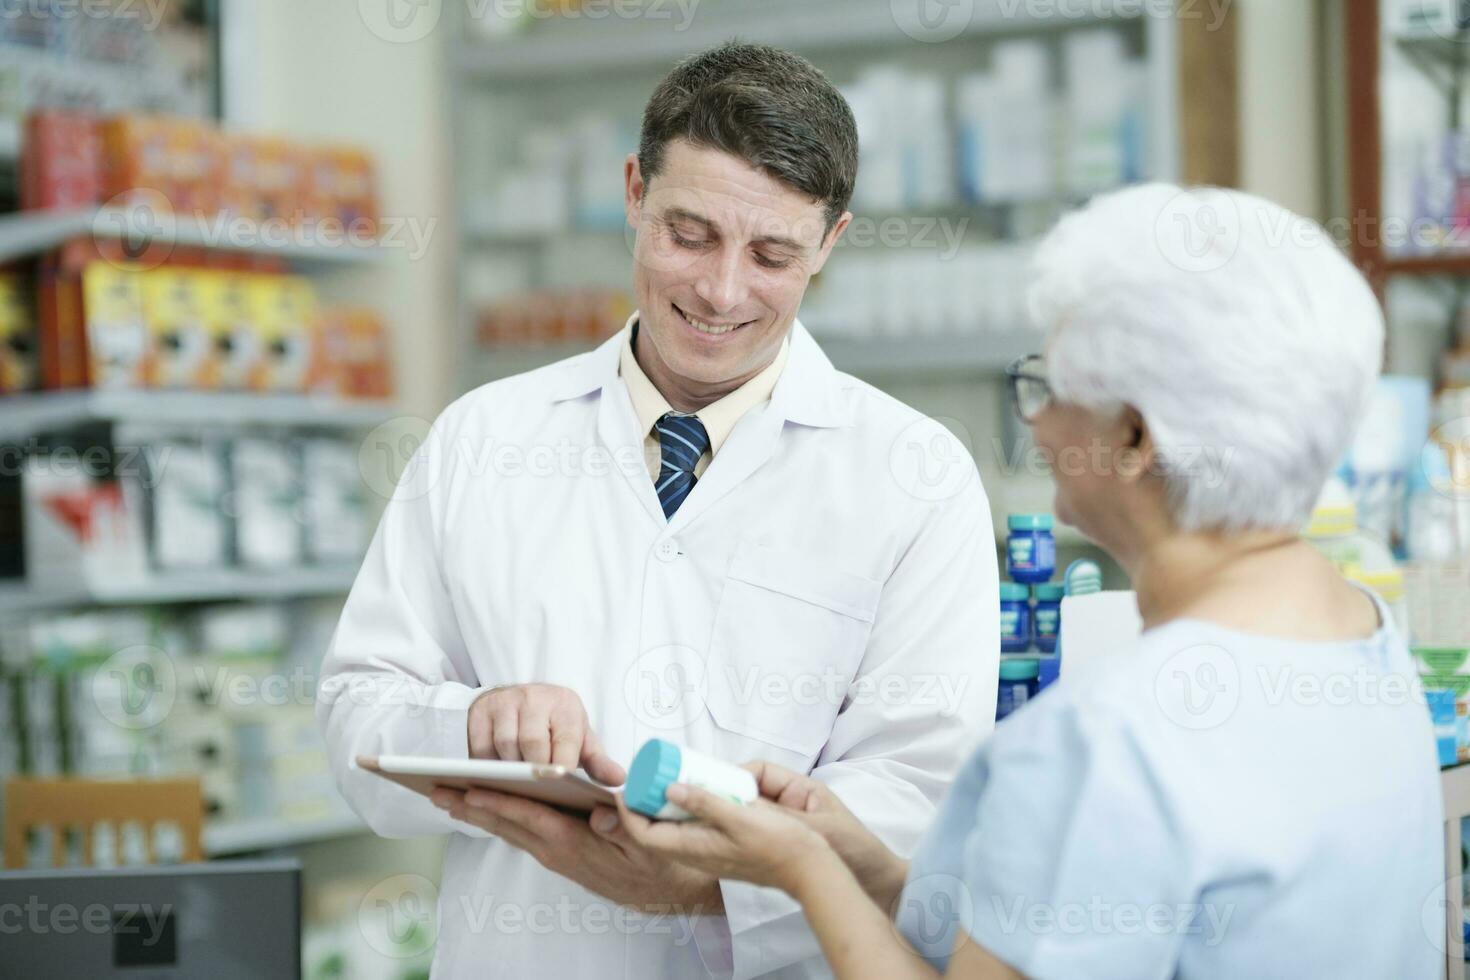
<point>1238,330</point>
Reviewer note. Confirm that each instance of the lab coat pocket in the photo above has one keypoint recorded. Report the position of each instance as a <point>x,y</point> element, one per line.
<point>788,637</point>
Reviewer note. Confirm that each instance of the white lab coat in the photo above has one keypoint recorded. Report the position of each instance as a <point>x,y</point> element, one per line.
<point>826,598</point>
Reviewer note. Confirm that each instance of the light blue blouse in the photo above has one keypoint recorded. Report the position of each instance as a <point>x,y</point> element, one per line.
<point>1211,805</point>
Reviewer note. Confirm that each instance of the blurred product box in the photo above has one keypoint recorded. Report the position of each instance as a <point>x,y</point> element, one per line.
<point>341,187</point>
<point>180,351</point>
<point>267,503</point>
<point>71,159</point>
<point>1454,367</point>
<point>40,688</point>
<point>354,357</point>
<point>554,316</point>
<point>90,311</point>
<point>186,521</point>
<point>19,363</point>
<point>229,316</point>
<point>1444,18</point>
<point>78,531</point>
<point>10,726</point>
<point>335,506</point>
<point>60,161</point>
<point>239,182</point>
<point>254,631</point>
<point>156,159</point>
<point>279,168</point>
<point>199,322</point>
<point>285,312</point>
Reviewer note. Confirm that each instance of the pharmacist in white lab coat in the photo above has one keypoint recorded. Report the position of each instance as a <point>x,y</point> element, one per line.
<point>700,531</point>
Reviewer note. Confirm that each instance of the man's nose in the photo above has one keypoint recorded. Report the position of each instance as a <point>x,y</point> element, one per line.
<point>721,283</point>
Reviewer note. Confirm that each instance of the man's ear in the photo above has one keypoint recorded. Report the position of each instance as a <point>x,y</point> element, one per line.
<point>831,240</point>
<point>633,188</point>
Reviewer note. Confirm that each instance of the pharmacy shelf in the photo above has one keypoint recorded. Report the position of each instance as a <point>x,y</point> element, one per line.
<point>1441,264</point>
<point>603,44</point>
<point>935,356</point>
<point>32,232</point>
<point>1443,59</point>
<point>1455,788</point>
<point>989,223</point>
<point>244,836</point>
<point>938,355</point>
<point>166,588</point>
<point>489,236</point>
<point>56,411</point>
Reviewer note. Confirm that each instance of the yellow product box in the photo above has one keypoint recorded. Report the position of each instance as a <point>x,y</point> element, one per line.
<point>229,316</point>
<point>19,366</point>
<point>285,317</point>
<point>116,335</point>
<point>179,351</point>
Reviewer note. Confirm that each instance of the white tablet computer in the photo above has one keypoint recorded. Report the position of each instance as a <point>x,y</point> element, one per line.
<point>555,785</point>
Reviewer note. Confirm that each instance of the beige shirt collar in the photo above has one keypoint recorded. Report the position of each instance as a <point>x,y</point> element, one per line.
<point>720,417</point>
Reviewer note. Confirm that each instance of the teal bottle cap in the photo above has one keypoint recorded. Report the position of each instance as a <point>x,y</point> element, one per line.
<point>1014,592</point>
<point>655,768</point>
<point>1013,669</point>
<point>1029,522</point>
<point>1050,593</point>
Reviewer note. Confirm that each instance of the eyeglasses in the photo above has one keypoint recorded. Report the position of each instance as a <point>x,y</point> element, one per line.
<point>1030,392</point>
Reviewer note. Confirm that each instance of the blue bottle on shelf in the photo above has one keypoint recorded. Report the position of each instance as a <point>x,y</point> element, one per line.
<point>1047,618</point>
<point>1031,550</point>
<point>1018,684</point>
<point>1015,618</point>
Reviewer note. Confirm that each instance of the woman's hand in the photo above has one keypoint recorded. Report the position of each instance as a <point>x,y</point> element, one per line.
<point>877,869</point>
<point>762,843</point>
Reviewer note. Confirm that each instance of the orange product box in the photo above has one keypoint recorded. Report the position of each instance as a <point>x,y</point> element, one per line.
<point>179,351</point>
<point>279,168</point>
<point>237,178</point>
<point>355,358</point>
<point>341,186</point>
<point>175,158</point>
<point>19,368</point>
<point>60,161</point>
<point>285,314</point>
<point>90,311</point>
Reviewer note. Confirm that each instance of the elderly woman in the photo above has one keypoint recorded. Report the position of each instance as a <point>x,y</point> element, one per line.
<point>1252,791</point>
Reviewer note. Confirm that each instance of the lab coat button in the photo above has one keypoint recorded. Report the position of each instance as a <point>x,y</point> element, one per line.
<point>667,550</point>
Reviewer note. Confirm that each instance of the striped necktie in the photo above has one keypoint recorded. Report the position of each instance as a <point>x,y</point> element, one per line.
<point>682,440</point>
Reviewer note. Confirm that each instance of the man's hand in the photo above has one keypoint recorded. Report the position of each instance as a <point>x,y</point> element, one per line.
<point>596,853</point>
<point>539,723</point>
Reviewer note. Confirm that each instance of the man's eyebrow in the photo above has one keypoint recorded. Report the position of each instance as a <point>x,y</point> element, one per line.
<point>684,214</point>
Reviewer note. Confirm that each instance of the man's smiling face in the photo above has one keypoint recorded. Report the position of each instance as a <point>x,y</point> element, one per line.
<point>723,256</point>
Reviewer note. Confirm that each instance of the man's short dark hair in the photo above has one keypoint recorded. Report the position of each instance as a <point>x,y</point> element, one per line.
<point>768,107</point>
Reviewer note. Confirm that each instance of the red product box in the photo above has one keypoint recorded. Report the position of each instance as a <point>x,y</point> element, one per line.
<point>60,161</point>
